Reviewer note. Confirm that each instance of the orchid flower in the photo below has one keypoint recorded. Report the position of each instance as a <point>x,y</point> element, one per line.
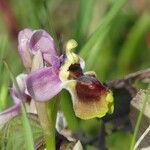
<point>50,73</point>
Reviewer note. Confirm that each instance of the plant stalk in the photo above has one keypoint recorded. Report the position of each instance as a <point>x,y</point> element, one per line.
<point>47,112</point>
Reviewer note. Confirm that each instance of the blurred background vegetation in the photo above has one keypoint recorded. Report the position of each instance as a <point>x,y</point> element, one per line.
<point>122,48</point>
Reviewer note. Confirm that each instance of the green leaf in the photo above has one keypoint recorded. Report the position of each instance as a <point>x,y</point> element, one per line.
<point>84,19</point>
<point>50,22</point>
<point>29,13</point>
<point>67,108</point>
<point>12,135</point>
<point>87,52</point>
<point>118,141</point>
<point>3,41</point>
<point>26,124</point>
<point>91,127</point>
<point>3,95</point>
<point>129,50</point>
<point>3,87</point>
<point>27,130</point>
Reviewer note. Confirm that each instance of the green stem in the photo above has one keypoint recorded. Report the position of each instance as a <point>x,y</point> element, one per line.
<point>47,115</point>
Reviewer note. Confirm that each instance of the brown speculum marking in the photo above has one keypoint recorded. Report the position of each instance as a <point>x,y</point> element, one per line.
<point>75,71</point>
<point>89,89</point>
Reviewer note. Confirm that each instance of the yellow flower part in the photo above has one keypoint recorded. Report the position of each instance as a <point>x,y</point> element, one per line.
<point>71,58</point>
<point>90,98</point>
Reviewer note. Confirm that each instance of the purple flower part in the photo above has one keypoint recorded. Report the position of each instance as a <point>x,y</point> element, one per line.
<point>52,60</point>
<point>24,37</point>
<point>21,81</point>
<point>43,84</point>
<point>9,113</point>
<point>23,47</point>
<point>16,97</point>
<point>42,41</point>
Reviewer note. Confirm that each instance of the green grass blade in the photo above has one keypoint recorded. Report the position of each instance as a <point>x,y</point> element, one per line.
<point>87,51</point>
<point>3,95</point>
<point>3,82</point>
<point>3,41</point>
<point>103,63</point>
<point>28,13</point>
<point>136,130</point>
<point>95,51</point>
<point>26,124</point>
<point>27,129</point>
<point>84,19</point>
<point>50,21</point>
<point>129,51</point>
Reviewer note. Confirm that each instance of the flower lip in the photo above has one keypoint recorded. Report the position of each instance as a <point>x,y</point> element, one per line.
<point>89,88</point>
<point>90,98</point>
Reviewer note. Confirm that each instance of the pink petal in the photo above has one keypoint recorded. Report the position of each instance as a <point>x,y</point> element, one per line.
<point>21,81</point>
<point>42,41</point>
<point>24,36</point>
<point>23,47</point>
<point>9,113</point>
<point>53,60</point>
<point>43,84</point>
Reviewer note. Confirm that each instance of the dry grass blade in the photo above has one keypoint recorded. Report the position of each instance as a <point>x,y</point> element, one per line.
<point>142,138</point>
<point>138,123</point>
